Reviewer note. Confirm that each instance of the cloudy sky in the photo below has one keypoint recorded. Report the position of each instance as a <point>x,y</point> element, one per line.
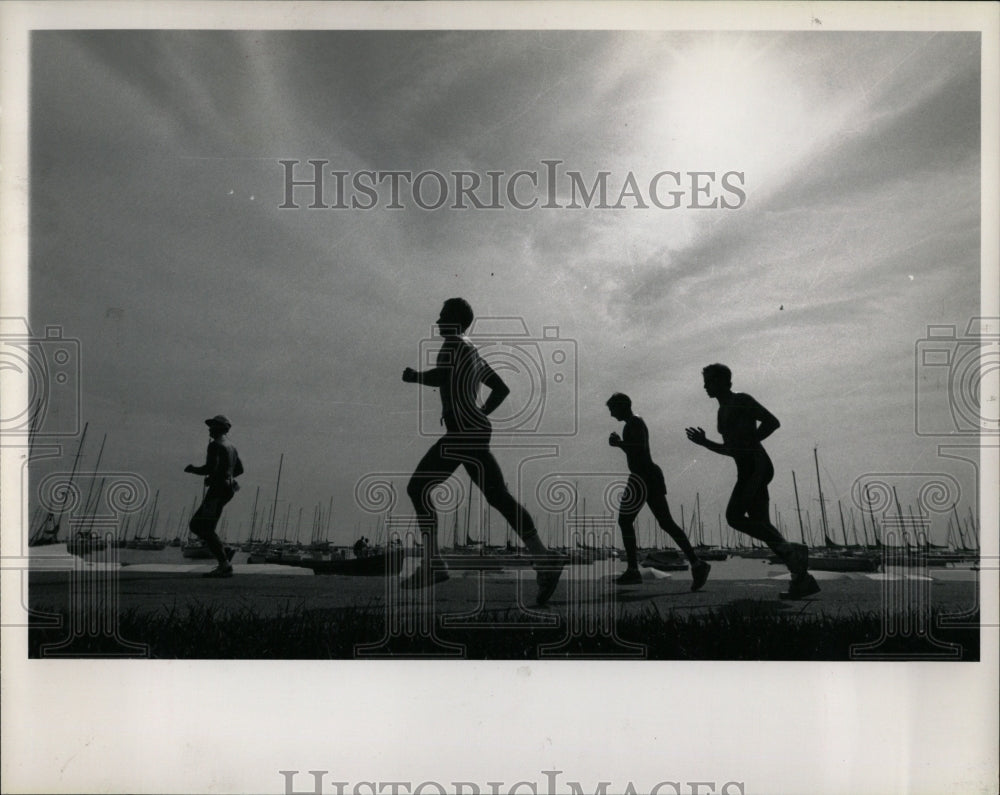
<point>158,240</point>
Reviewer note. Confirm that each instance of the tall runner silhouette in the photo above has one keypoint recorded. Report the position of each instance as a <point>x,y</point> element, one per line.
<point>459,373</point>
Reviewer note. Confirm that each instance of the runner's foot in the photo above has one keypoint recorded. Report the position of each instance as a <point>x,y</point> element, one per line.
<point>801,587</point>
<point>548,571</point>
<point>630,577</point>
<point>699,572</point>
<point>796,558</point>
<point>219,571</point>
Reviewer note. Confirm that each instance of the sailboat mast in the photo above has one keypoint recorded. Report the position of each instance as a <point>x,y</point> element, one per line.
<point>972,528</point>
<point>798,508</point>
<point>150,516</point>
<point>972,533</point>
<point>468,514</point>
<point>253,513</point>
<point>871,510</point>
<point>697,508</point>
<point>152,519</point>
<point>864,527</point>
<point>854,528</point>
<point>100,491</point>
<point>899,513</point>
<point>72,474</point>
<point>843,528</point>
<point>822,502</point>
<point>97,468</point>
<point>913,526</point>
<point>277,485</point>
<point>958,525</point>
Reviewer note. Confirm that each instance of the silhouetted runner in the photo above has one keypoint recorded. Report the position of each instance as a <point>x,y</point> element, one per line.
<point>458,373</point>
<point>645,487</point>
<point>222,467</point>
<point>744,424</point>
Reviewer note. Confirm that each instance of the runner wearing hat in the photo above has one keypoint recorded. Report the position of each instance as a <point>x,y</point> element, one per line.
<point>222,467</point>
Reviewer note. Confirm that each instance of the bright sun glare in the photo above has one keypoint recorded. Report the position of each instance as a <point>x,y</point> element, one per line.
<point>730,104</point>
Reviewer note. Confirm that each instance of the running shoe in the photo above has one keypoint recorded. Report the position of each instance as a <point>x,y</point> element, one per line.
<point>801,587</point>
<point>547,577</point>
<point>630,577</point>
<point>219,571</point>
<point>796,558</point>
<point>700,574</point>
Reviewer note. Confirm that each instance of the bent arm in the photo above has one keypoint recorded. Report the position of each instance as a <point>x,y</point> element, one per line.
<point>768,423</point>
<point>697,435</point>
<point>211,462</point>
<point>433,377</point>
<point>498,392</point>
<point>716,447</point>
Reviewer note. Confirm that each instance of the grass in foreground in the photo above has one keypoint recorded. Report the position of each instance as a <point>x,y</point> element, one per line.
<point>733,633</point>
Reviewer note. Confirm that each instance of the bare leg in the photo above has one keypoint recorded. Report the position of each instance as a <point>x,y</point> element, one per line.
<point>747,510</point>
<point>203,525</point>
<point>434,468</point>
<point>661,510</point>
<point>626,521</point>
<point>485,473</point>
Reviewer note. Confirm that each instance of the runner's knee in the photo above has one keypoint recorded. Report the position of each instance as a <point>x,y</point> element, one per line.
<point>498,495</point>
<point>735,516</point>
<point>418,490</point>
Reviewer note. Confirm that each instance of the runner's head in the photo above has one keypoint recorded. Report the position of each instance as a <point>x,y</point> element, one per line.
<point>718,379</point>
<point>620,405</point>
<point>218,426</point>
<point>456,316</point>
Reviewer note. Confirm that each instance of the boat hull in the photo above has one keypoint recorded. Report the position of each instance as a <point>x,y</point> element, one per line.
<point>865,563</point>
<point>664,561</point>
<point>202,552</point>
<point>389,563</point>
